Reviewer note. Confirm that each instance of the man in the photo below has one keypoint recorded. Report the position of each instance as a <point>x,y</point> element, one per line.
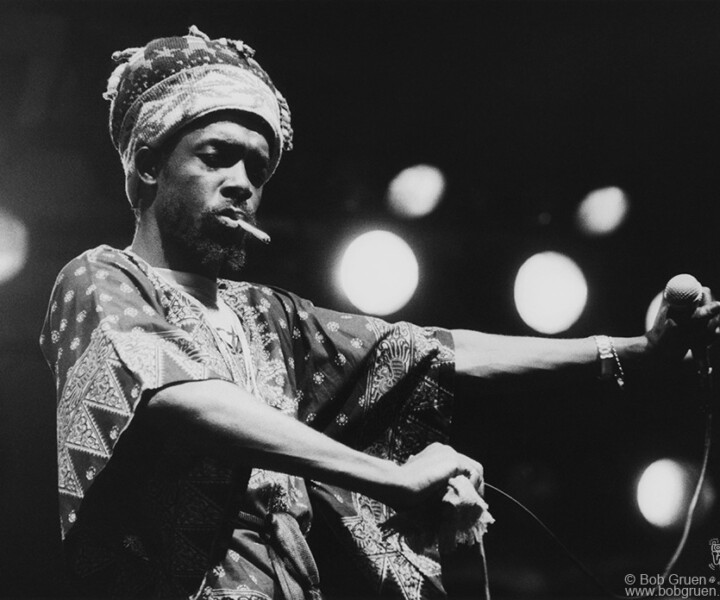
<point>204,424</point>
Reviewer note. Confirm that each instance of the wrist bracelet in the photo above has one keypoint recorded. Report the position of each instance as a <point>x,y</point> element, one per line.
<point>610,366</point>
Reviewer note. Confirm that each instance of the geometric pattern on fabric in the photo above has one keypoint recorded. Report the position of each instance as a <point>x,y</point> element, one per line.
<point>115,329</point>
<point>390,566</point>
<point>95,408</point>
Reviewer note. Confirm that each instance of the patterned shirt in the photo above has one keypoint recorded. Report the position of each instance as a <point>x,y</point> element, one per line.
<point>144,515</point>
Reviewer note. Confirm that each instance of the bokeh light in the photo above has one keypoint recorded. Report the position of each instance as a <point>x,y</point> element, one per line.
<point>602,211</point>
<point>416,191</point>
<point>13,245</point>
<point>664,492</point>
<point>550,292</point>
<point>378,272</point>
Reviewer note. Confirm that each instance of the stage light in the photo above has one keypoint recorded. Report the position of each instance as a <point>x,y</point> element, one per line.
<point>416,191</point>
<point>550,292</point>
<point>13,246</point>
<point>378,272</point>
<point>664,491</point>
<point>602,211</point>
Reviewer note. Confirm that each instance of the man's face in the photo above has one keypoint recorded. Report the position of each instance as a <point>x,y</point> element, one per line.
<point>211,177</point>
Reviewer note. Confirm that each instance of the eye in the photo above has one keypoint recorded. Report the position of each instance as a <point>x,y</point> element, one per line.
<point>258,168</point>
<point>219,155</point>
<point>217,158</point>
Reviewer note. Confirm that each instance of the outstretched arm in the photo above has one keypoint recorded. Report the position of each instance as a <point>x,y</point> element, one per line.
<point>219,417</point>
<point>508,362</point>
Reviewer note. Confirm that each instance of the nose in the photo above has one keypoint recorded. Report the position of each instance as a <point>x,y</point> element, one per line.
<point>237,184</point>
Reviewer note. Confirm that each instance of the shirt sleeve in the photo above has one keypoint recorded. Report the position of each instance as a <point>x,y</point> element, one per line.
<point>383,388</point>
<point>109,338</point>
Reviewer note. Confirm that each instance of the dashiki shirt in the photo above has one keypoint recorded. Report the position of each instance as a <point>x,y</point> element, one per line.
<point>143,515</point>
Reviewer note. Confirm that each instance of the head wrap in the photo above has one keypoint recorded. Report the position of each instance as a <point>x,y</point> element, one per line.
<point>156,90</point>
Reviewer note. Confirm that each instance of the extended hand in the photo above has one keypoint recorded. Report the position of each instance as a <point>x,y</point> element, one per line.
<point>425,476</point>
<point>675,331</point>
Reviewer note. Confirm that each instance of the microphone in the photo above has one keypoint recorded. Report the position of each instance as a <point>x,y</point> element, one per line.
<point>683,294</point>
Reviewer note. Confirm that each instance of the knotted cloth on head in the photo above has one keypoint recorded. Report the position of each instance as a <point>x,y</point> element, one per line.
<point>158,89</point>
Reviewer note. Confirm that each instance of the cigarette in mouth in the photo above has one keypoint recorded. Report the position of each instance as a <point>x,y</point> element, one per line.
<point>258,233</point>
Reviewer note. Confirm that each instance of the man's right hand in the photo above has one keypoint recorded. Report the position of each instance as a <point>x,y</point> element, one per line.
<point>425,475</point>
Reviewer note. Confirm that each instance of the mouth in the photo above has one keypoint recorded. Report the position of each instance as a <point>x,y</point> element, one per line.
<point>232,216</point>
<point>241,221</point>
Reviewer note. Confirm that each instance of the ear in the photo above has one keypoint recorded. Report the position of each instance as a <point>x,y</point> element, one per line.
<point>147,164</point>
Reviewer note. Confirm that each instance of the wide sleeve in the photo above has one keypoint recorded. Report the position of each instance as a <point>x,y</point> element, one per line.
<point>378,387</point>
<point>110,336</point>
<point>383,388</point>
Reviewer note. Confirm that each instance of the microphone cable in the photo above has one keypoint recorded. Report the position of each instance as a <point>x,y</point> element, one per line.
<point>683,293</point>
<point>569,553</point>
<point>706,387</point>
<point>686,529</point>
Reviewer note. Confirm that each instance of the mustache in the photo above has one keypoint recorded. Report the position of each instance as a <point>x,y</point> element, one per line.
<point>230,211</point>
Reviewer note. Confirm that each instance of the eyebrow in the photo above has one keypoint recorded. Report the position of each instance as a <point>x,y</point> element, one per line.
<point>230,143</point>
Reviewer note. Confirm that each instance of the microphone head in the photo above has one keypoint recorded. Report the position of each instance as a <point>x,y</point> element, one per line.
<point>683,292</point>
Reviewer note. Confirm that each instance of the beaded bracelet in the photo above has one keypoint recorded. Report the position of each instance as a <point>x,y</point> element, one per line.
<point>610,366</point>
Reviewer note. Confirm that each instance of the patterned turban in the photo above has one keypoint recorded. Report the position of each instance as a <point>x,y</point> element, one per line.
<point>156,90</point>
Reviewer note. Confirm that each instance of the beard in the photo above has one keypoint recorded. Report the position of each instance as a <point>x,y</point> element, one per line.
<point>203,242</point>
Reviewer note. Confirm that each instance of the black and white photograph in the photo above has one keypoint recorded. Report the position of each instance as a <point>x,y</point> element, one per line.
<point>354,299</point>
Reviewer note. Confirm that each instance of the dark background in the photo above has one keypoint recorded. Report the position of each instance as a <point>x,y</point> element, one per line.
<point>526,106</point>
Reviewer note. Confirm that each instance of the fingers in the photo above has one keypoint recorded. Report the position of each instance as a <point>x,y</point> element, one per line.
<point>464,465</point>
<point>437,463</point>
<point>462,506</point>
<point>474,471</point>
<point>707,295</point>
<point>713,324</point>
<point>709,311</point>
